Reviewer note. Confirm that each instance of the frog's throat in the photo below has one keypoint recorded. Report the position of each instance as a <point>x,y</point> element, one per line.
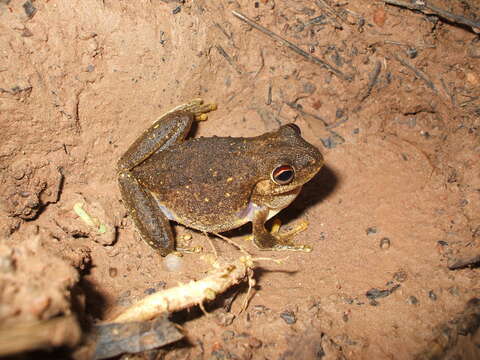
<point>274,206</point>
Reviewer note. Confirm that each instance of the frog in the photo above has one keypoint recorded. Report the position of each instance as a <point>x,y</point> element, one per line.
<point>212,184</point>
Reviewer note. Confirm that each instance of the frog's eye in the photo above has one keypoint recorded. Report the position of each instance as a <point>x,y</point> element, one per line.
<point>295,128</point>
<point>283,175</point>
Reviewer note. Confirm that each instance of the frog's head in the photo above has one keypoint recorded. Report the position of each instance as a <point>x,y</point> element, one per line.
<point>288,161</point>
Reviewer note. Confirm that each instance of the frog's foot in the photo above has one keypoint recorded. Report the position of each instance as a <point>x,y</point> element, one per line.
<point>282,240</point>
<point>197,107</point>
<point>184,245</point>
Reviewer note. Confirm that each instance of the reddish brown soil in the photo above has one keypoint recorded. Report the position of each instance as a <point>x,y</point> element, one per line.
<point>80,80</point>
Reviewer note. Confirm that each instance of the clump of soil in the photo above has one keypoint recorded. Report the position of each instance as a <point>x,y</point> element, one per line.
<point>394,215</point>
<point>36,284</point>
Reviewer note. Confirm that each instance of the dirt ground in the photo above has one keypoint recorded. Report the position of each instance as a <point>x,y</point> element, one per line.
<point>394,215</point>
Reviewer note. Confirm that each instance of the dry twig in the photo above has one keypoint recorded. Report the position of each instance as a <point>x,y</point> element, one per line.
<point>332,14</point>
<point>448,92</point>
<point>292,46</point>
<point>417,72</point>
<point>229,59</point>
<point>373,80</point>
<point>433,10</point>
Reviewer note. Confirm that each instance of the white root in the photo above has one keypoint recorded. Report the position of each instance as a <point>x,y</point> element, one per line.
<point>188,295</point>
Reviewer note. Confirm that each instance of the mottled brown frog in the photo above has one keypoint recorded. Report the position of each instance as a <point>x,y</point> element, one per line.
<point>212,184</point>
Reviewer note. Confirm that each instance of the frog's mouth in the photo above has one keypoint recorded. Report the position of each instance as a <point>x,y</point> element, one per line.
<point>294,191</point>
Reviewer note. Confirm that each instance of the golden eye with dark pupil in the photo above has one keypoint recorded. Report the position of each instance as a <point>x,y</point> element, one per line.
<point>283,175</point>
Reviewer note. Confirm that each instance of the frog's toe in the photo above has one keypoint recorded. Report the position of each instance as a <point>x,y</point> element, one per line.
<point>281,246</point>
<point>197,108</point>
<point>201,111</point>
<point>278,240</point>
<point>288,234</point>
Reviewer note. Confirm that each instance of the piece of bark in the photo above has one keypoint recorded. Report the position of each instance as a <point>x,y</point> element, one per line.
<point>113,339</point>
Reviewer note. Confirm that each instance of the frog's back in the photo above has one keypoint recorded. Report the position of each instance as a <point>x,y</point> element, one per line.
<point>210,160</point>
<point>204,183</point>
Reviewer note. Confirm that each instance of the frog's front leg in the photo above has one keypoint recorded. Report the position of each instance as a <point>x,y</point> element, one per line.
<point>166,131</point>
<point>171,128</point>
<point>272,241</point>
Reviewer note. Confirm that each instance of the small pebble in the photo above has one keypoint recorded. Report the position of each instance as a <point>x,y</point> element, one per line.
<point>348,300</point>
<point>309,87</point>
<point>371,230</point>
<point>243,335</point>
<point>442,243</point>
<point>400,276</point>
<point>317,104</point>
<point>160,285</point>
<point>228,335</point>
<point>19,174</point>
<point>254,343</point>
<point>220,354</point>
<point>337,58</point>
<point>124,298</point>
<point>389,77</point>
<point>379,16</point>
<point>356,131</point>
<point>224,318</point>
<point>173,263</point>
<point>176,10</point>
<point>288,317</point>
<point>394,287</point>
<point>412,52</point>
<point>150,291</point>
<point>376,293</point>
<point>332,141</point>
<point>6,264</point>
<point>432,295</point>
<point>454,291</point>
<point>385,243</point>
<point>260,309</point>
<point>187,237</point>
<point>412,300</point>
<point>339,113</point>
<point>473,51</point>
<point>30,10</point>
<point>113,272</point>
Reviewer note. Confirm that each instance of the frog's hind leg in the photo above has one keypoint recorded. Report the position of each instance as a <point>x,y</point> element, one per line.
<point>153,225</point>
<point>169,129</point>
